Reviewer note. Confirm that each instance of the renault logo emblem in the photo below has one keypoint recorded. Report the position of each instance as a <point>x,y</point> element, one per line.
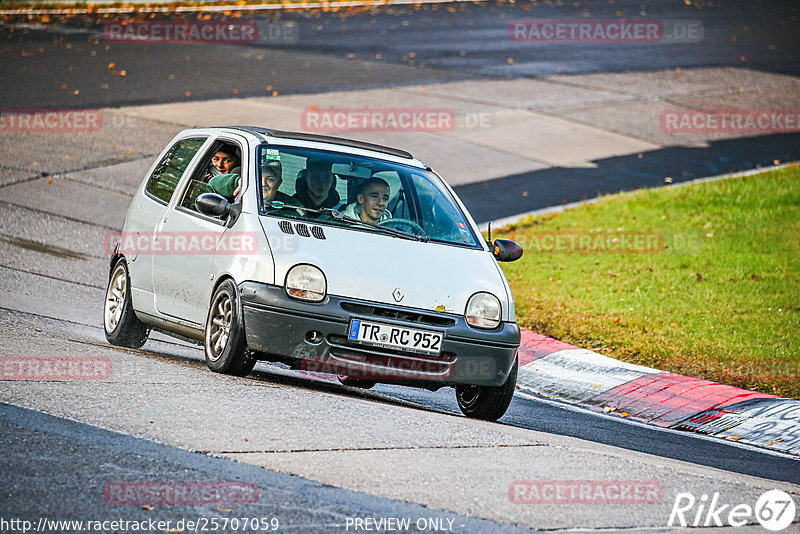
<point>398,295</point>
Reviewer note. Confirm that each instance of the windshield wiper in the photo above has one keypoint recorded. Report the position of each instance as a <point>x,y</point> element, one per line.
<point>337,215</point>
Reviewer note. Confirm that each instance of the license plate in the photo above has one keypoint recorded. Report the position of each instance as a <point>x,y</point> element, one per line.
<point>395,337</point>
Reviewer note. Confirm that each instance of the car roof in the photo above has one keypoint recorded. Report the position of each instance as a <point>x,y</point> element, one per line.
<point>260,131</point>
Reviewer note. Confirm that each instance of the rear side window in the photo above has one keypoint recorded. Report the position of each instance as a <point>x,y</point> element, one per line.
<point>166,175</point>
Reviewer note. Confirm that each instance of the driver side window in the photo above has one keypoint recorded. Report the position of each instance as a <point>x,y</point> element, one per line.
<point>219,172</point>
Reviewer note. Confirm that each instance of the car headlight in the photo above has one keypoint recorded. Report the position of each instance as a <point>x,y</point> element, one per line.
<point>483,310</point>
<point>306,282</point>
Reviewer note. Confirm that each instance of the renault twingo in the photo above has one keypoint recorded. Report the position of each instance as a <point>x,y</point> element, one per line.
<point>329,255</point>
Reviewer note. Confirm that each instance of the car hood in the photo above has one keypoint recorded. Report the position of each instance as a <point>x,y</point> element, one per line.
<point>375,267</point>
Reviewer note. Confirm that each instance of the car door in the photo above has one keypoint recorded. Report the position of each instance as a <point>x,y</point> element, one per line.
<point>187,242</point>
<point>146,212</point>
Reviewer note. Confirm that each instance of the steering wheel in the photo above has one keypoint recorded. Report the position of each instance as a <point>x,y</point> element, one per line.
<point>404,225</point>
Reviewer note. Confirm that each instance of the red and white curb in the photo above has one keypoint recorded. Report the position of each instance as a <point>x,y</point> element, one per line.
<point>558,370</point>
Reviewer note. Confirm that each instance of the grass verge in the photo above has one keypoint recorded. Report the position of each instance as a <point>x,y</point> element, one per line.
<point>701,280</point>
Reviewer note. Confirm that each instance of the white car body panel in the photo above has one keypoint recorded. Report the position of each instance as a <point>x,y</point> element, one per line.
<point>369,265</point>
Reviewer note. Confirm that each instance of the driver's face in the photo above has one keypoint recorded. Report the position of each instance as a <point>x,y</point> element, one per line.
<point>373,200</point>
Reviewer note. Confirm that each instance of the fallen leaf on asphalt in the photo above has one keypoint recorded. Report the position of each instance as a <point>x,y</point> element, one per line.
<point>147,507</point>
<point>609,409</point>
<point>736,437</point>
<point>623,414</point>
<point>111,65</point>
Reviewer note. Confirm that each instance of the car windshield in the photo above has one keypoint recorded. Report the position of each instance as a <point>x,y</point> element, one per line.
<point>359,192</point>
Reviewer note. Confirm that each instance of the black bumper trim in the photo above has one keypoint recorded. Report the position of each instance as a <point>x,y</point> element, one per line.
<point>282,327</point>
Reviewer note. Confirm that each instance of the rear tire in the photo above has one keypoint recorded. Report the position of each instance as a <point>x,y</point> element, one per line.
<point>121,326</point>
<point>225,344</point>
<point>485,402</point>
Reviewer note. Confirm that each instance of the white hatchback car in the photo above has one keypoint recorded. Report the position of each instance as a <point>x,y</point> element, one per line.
<point>329,255</point>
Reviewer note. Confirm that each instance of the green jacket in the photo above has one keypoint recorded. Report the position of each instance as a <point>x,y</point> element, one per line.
<point>223,184</point>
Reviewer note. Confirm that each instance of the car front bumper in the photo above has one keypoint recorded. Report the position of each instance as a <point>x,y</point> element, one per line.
<point>314,337</point>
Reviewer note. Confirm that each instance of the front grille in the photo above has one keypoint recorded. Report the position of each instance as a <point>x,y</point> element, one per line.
<point>389,363</point>
<point>398,314</point>
<point>317,232</point>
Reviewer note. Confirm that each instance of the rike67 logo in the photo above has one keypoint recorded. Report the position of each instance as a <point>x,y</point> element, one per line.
<point>774,510</point>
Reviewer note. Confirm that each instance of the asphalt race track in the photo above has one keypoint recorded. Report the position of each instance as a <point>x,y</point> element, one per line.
<point>318,454</point>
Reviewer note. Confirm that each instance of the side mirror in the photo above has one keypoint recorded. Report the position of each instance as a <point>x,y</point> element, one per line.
<point>506,250</point>
<point>213,204</point>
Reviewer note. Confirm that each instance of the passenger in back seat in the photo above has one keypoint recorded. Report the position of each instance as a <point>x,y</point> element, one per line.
<point>316,188</point>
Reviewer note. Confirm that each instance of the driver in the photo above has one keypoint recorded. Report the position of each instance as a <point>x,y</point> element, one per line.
<point>371,202</point>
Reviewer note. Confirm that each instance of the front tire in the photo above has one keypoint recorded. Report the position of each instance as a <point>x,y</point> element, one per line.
<point>121,326</point>
<point>485,402</point>
<point>225,344</point>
